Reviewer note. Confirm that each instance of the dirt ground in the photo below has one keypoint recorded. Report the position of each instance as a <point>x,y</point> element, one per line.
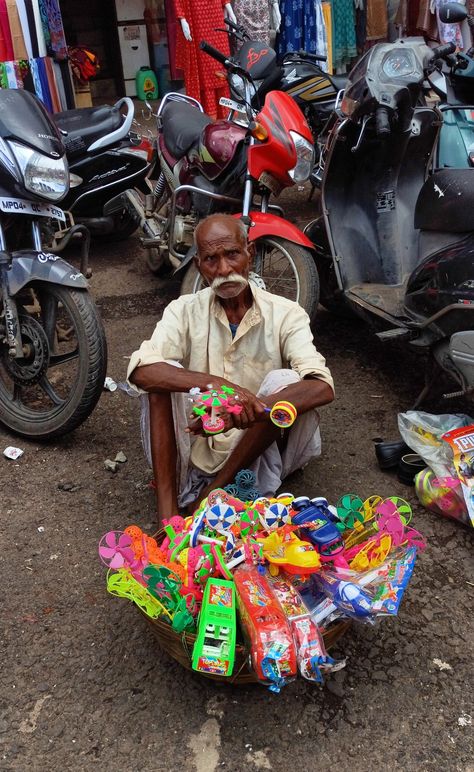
<point>85,686</point>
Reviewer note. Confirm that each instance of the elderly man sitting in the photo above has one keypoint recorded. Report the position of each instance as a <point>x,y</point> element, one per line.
<point>235,334</point>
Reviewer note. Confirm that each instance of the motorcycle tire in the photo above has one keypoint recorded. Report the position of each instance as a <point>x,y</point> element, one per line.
<point>293,275</point>
<point>65,368</point>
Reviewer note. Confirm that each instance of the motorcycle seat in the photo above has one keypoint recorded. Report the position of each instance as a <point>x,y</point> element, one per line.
<point>182,125</point>
<point>87,124</point>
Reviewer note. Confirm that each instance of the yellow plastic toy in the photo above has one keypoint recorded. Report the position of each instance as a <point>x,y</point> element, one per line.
<point>287,551</point>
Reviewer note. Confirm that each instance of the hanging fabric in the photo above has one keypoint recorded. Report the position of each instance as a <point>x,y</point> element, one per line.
<point>377,19</point>
<point>23,16</point>
<point>302,27</point>
<point>18,43</point>
<point>11,75</point>
<point>53,89</point>
<point>254,15</point>
<point>327,15</point>
<point>39,29</point>
<point>52,20</point>
<point>6,45</point>
<point>343,31</point>
<point>30,14</point>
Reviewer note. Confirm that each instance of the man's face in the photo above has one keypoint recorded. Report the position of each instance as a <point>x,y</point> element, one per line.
<point>223,258</point>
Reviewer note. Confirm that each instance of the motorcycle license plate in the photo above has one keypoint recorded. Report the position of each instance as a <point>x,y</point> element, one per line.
<point>20,206</point>
<point>224,102</point>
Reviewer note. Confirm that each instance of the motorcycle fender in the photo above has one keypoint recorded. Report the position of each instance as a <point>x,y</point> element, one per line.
<point>267,224</point>
<point>42,266</point>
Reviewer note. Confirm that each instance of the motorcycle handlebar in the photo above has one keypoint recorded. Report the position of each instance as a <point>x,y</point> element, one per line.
<point>441,51</point>
<point>218,55</point>
<point>382,122</point>
<point>232,25</point>
<point>315,57</point>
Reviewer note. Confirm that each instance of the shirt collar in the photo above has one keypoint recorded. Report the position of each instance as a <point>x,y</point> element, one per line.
<point>252,316</point>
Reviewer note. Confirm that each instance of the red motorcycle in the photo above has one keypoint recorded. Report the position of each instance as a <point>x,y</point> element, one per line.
<point>231,165</point>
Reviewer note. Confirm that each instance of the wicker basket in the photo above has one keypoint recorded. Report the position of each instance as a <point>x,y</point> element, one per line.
<point>180,647</point>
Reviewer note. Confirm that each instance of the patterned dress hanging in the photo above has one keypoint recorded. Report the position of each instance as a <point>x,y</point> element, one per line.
<point>344,36</point>
<point>204,78</point>
<point>302,27</point>
<point>254,15</point>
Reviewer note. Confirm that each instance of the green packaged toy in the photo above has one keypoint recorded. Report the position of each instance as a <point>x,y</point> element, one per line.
<point>214,649</point>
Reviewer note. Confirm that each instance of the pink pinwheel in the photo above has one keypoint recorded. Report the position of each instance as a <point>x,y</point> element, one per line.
<point>392,524</point>
<point>115,550</point>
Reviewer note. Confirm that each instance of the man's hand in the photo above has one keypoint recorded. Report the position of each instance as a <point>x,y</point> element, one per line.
<point>253,410</point>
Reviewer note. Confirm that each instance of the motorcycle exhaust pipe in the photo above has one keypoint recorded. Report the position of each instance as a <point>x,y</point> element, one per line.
<point>130,201</point>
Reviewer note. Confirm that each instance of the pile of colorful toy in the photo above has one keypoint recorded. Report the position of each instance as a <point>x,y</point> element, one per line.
<point>289,566</point>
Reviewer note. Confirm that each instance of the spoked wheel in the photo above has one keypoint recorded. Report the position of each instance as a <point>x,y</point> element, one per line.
<point>285,269</point>
<point>59,380</point>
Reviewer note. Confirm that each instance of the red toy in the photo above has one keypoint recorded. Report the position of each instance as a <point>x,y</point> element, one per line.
<point>265,627</point>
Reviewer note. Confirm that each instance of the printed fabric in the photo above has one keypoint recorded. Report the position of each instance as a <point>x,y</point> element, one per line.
<point>344,33</point>
<point>302,27</point>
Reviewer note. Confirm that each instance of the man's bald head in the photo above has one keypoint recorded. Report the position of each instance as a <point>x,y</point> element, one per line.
<point>217,224</point>
<point>223,256</point>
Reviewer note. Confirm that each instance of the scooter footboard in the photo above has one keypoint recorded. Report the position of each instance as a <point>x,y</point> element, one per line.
<point>267,224</point>
<point>42,266</point>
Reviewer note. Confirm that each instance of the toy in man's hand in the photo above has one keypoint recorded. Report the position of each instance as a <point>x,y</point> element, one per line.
<point>210,405</point>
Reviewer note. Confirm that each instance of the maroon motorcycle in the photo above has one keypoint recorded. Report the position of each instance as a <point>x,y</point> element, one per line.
<point>231,165</point>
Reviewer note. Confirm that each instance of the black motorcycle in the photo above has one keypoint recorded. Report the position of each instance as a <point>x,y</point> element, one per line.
<point>395,238</point>
<point>106,156</point>
<point>298,73</point>
<point>53,351</point>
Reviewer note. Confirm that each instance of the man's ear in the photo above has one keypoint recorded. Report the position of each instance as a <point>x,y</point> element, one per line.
<point>251,251</point>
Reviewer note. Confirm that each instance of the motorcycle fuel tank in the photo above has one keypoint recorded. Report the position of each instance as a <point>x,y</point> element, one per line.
<point>305,83</point>
<point>217,147</point>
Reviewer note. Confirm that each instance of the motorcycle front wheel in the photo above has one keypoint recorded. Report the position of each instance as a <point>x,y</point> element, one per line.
<point>286,269</point>
<point>55,386</point>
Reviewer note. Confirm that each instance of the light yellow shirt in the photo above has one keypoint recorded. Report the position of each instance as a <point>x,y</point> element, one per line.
<point>194,330</point>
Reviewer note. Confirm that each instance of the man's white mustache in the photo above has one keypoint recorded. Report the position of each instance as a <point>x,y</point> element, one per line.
<point>235,278</point>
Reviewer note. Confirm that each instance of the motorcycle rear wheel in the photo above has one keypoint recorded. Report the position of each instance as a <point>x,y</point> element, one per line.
<point>57,384</point>
<point>287,269</point>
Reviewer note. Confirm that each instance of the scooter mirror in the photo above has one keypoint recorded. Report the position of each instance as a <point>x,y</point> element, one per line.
<point>452,13</point>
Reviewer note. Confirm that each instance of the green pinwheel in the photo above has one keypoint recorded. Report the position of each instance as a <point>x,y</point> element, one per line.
<point>349,511</point>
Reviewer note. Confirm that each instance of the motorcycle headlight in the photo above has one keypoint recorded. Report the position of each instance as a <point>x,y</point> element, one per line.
<point>44,176</point>
<point>304,158</point>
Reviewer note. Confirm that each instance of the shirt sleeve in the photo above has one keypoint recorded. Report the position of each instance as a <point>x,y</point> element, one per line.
<point>298,348</point>
<point>168,342</point>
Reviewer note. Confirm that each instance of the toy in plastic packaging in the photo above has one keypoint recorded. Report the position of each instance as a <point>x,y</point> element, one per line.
<point>442,495</point>
<point>311,653</point>
<point>423,433</point>
<point>265,627</point>
<point>214,648</point>
<point>361,596</point>
<point>461,441</point>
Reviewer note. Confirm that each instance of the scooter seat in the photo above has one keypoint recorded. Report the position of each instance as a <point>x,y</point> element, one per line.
<point>87,124</point>
<point>182,125</point>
